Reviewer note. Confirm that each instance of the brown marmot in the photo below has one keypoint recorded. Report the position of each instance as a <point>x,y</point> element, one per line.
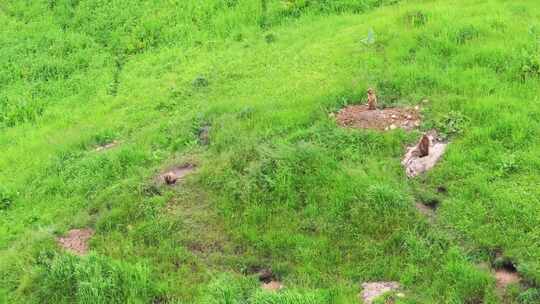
<point>423,146</point>
<point>372,99</point>
<point>170,178</point>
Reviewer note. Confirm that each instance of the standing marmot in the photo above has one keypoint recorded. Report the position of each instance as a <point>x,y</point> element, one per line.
<point>372,99</point>
<point>423,146</point>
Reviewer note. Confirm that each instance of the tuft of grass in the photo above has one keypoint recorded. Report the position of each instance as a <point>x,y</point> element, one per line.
<point>92,279</point>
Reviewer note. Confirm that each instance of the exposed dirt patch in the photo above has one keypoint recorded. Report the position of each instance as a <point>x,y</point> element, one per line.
<point>269,280</point>
<point>427,210</point>
<point>372,290</point>
<point>360,116</point>
<point>76,240</point>
<point>506,277</point>
<point>425,155</point>
<point>272,286</point>
<point>175,175</point>
<point>505,272</point>
<point>107,146</point>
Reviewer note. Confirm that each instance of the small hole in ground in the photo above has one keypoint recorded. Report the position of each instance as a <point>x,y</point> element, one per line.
<point>442,190</point>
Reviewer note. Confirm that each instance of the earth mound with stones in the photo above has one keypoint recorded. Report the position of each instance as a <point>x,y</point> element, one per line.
<point>360,116</point>
<point>76,241</point>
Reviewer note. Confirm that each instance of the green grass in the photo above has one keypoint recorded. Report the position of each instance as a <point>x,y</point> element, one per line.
<point>280,185</point>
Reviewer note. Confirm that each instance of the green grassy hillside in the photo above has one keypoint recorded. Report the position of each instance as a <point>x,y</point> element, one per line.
<point>280,184</point>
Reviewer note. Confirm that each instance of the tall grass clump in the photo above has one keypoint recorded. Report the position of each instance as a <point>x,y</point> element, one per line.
<point>91,280</point>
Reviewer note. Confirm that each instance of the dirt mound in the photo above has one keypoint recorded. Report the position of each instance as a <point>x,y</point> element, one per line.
<point>268,279</point>
<point>505,272</point>
<point>76,240</point>
<point>175,174</point>
<point>272,286</point>
<point>372,290</point>
<point>417,162</point>
<point>360,116</point>
<point>505,277</point>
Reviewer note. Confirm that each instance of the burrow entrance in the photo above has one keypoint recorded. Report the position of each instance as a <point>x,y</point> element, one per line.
<point>506,273</point>
<point>426,209</point>
<point>268,279</point>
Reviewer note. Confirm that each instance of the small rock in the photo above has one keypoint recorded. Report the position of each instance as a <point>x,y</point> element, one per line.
<point>392,127</point>
<point>417,108</point>
<point>394,116</point>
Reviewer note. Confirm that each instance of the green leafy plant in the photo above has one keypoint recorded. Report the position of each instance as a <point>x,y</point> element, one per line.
<point>451,124</point>
<point>7,198</point>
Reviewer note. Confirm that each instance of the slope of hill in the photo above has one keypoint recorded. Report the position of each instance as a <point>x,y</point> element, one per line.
<point>97,98</point>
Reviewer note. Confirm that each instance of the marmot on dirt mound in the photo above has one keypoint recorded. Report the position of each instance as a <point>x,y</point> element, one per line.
<point>170,178</point>
<point>372,99</point>
<point>423,146</point>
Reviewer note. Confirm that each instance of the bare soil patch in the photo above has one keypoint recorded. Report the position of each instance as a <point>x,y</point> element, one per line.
<point>425,155</point>
<point>272,286</point>
<point>372,290</point>
<point>76,240</point>
<point>505,277</point>
<point>360,116</point>
<point>269,280</point>
<point>175,175</point>
<point>107,146</point>
<point>427,210</point>
<point>505,272</point>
